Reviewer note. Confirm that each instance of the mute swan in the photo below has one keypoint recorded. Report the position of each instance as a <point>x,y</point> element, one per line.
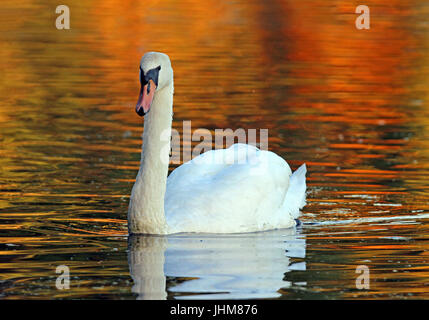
<point>212,193</point>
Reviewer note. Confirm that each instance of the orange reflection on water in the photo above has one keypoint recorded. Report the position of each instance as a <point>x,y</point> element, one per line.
<point>350,103</point>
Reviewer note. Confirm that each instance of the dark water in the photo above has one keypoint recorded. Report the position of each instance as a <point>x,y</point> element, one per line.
<point>352,104</point>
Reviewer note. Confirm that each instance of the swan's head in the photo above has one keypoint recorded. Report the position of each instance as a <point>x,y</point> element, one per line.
<point>155,74</point>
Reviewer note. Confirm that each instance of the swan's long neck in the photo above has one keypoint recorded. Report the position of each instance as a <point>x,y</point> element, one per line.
<point>146,210</point>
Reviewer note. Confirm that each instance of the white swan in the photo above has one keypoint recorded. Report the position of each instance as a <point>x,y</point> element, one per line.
<point>239,189</point>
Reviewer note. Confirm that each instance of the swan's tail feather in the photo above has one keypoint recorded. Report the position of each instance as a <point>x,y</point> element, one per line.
<point>296,194</point>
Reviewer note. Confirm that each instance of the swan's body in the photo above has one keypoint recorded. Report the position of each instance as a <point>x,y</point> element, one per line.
<point>217,192</point>
<point>239,189</point>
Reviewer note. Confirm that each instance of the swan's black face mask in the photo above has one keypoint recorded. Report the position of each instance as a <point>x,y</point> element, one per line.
<point>149,83</point>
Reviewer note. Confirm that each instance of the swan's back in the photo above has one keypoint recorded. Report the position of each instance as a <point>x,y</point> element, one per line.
<point>239,189</point>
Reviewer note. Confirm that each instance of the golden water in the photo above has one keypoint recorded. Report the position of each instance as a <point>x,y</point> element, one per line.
<point>352,104</point>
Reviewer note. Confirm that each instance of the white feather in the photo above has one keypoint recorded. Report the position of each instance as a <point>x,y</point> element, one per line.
<point>296,194</point>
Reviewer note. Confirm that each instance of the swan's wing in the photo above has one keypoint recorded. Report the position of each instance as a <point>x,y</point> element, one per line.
<point>237,189</point>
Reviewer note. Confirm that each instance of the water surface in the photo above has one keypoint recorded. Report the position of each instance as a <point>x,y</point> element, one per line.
<point>352,104</point>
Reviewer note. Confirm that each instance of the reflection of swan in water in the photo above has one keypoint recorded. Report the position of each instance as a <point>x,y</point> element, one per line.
<point>233,266</point>
<point>146,261</point>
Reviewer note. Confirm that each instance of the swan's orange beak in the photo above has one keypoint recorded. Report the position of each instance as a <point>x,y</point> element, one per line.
<point>145,98</point>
